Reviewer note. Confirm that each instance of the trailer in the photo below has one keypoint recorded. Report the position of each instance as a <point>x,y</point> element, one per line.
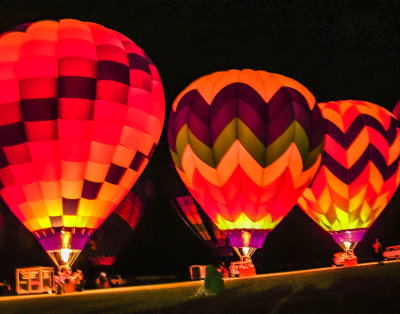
<point>34,280</point>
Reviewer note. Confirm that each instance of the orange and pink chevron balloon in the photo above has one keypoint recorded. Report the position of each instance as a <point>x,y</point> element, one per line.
<point>246,144</point>
<point>359,172</point>
<point>81,112</point>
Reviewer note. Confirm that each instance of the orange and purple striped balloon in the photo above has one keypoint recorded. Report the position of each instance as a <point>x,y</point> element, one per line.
<point>359,172</point>
<point>246,144</point>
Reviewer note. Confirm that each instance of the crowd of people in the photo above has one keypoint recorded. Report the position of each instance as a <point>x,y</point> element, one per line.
<point>68,281</point>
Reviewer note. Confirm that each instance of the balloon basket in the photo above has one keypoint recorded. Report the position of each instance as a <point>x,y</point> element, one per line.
<point>242,268</point>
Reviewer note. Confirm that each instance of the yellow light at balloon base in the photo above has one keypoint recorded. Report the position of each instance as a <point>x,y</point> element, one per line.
<point>347,245</point>
<point>64,256</point>
<point>65,253</point>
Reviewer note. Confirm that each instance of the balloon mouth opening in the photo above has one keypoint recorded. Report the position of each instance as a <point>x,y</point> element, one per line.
<point>348,239</point>
<point>246,239</point>
<point>245,252</point>
<point>64,257</point>
<point>65,253</point>
<point>63,245</point>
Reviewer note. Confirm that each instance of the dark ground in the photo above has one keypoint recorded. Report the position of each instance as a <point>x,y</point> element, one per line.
<point>337,49</point>
<point>363,289</point>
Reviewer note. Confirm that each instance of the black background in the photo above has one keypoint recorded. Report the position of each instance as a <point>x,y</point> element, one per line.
<point>337,49</point>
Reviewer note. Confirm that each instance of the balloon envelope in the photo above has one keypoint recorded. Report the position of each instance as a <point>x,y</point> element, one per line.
<point>197,220</point>
<point>246,144</point>
<point>359,172</point>
<point>107,241</point>
<point>81,112</point>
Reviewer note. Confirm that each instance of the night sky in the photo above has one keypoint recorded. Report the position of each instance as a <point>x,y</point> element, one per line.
<point>337,50</point>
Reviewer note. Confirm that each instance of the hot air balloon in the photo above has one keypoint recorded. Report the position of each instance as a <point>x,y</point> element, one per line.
<point>81,111</point>
<point>359,171</point>
<point>107,241</point>
<point>246,144</point>
<point>197,220</point>
<point>194,217</point>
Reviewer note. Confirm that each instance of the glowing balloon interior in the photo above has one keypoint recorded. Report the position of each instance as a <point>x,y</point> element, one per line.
<point>199,223</point>
<point>81,111</point>
<point>105,244</point>
<point>359,172</point>
<point>246,144</point>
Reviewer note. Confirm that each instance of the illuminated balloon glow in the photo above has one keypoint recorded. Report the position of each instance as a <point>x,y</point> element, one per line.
<point>197,220</point>
<point>81,111</point>
<point>107,241</point>
<point>246,144</point>
<point>359,172</point>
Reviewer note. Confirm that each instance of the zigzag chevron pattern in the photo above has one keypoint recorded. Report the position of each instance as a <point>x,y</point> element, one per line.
<point>359,172</point>
<point>246,144</point>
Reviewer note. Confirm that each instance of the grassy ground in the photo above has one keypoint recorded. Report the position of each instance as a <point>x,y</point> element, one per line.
<point>361,289</point>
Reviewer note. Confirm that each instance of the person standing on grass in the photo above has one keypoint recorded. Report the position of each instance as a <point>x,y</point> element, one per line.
<point>378,251</point>
<point>213,282</point>
<point>78,276</point>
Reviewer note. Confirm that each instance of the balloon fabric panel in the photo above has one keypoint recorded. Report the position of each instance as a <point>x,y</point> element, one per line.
<point>70,92</point>
<point>198,222</point>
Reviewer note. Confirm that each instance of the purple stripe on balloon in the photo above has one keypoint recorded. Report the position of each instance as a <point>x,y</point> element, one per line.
<point>54,242</point>
<point>181,113</point>
<point>347,138</point>
<point>337,169</point>
<point>200,107</point>
<point>334,132</point>
<point>3,159</point>
<point>252,120</point>
<point>137,62</point>
<point>198,127</point>
<point>77,87</point>
<point>90,189</point>
<point>223,110</point>
<point>70,206</point>
<point>221,115</point>
<point>247,237</point>
<point>113,71</point>
<point>279,124</point>
<point>302,111</point>
<point>42,109</point>
<point>152,150</point>
<point>268,121</point>
<point>137,161</point>
<point>18,134</point>
<point>391,133</point>
<point>358,124</point>
<point>251,97</point>
<point>378,160</point>
<point>303,117</point>
<point>392,169</point>
<point>115,173</point>
<point>318,134</point>
<point>355,235</point>
<point>56,221</point>
<point>281,101</point>
<point>349,175</point>
<point>359,165</point>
